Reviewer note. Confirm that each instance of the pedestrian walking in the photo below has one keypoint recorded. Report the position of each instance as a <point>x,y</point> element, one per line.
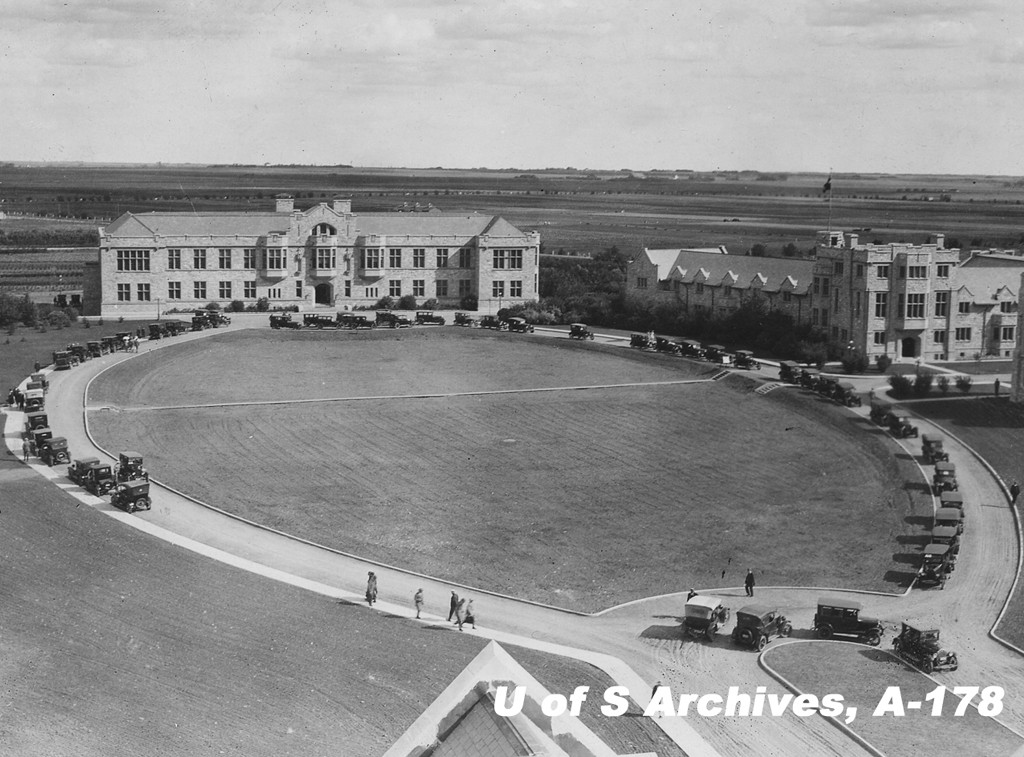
<point>453,605</point>
<point>997,387</point>
<point>691,594</point>
<point>20,396</point>
<point>748,582</point>
<point>460,613</point>
<point>1014,492</point>
<point>26,450</point>
<point>418,601</point>
<point>371,588</point>
<point>470,614</point>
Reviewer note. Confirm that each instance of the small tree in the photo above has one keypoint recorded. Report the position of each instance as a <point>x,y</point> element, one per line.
<point>922,384</point>
<point>469,302</point>
<point>213,306</point>
<point>430,304</point>
<point>407,302</point>
<point>943,383</point>
<point>901,385</point>
<point>883,362</point>
<point>262,305</point>
<point>385,303</point>
<point>236,306</point>
<point>855,362</point>
<point>963,383</point>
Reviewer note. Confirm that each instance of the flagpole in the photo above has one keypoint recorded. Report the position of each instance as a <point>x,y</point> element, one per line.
<point>829,184</point>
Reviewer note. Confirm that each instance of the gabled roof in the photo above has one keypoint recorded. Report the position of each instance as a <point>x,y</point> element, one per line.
<point>426,224</point>
<point>197,224</point>
<point>988,284</point>
<point>770,274</point>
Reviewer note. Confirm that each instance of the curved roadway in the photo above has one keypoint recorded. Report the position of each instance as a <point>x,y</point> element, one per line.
<point>636,643</point>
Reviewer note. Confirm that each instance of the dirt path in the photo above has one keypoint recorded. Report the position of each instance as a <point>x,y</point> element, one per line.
<point>645,634</point>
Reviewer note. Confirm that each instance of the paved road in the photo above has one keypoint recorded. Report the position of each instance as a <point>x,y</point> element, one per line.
<point>642,635</point>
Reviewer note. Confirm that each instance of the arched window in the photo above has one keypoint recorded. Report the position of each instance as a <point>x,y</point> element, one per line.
<point>324,229</point>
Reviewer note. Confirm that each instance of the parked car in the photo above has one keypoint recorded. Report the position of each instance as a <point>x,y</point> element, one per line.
<point>716,353</point>
<point>745,360</point>
<point>54,451</point>
<point>842,617</point>
<point>880,412</point>
<point>98,479</point>
<point>429,318</point>
<point>131,496</point>
<point>77,469</point>
<point>826,386</point>
<point>936,565</point>
<point>809,378</point>
<point>62,360</point>
<point>692,348</point>
<point>122,340</point>
<point>35,399</point>
<point>789,372</point>
<point>352,321</point>
<point>40,378</point>
<point>34,420</point>
<point>36,439</point>
<point>949,516</point>
<point>922,650</point>
<point>393,320</point>
<point>96,348</point>
<point>949,536</point>
<point>900,425</point>
<point>109,344</point>
<point>283,321</point>
<point>944,478</point>
<point>199,322</point>
<point>580,331</point>
<point>320,321</point>
<point>704,616</point>
<point>931,449</point>
<point>661,344</point>
<point>491,322</point>
<point>174,328</point>
<point>464,319</point>
<point>952,499</point>
<point>643,341</point>
<point>519,326</point>
<point>845,393</point>
<point>757,624</point>
<point>157,331</point>
<point>129,467</point>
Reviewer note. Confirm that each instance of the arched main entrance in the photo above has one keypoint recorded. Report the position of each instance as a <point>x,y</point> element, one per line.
<point>324,294</point>
<point>909,345</point>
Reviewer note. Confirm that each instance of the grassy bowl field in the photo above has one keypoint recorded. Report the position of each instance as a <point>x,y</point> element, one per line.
<point>862,674</point>
<point>478,458</point>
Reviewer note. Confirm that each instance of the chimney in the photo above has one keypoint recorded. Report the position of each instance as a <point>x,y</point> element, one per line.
<point>285,203</point>
<point>342,206</point>
<point>940,241</point>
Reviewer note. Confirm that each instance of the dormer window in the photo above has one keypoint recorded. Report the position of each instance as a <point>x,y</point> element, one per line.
<point>324,230</point>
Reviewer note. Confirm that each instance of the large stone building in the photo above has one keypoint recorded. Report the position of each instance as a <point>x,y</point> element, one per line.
<point>325,255</point>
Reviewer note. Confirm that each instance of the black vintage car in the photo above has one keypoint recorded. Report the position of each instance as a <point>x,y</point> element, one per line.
<point>932,449</point>
<point>388,319</point>
<point>922,650</point>
<point>54,451</point>
<point>900,425</point>
<point>519,326</point>
<point>704,616</point>
<point>98,479</point>
<point>936,565</point>
<point>745,360</point>
<point>789,372</point>
<point>129,467</point>
<point>809,378</point>
<point>62,360</point>
<point>845,393</point>
<point>37,437</point>
<point>691,348</point>
<point>78,468</point>
<point>842,617</point>
<point>944,478</point>
<point>716,353</point>
<point>131,496</point>
<point>319,321</point>
<point>953,498</point>
<point>283,321</point>
<point>661,344</point>
<point>95,348</point>
<point>643,341</point>
<point>880,412</point>
<point>429,318</point>
<point>757,624</point>
<point>34,420</point>
<point>949,516</point>
<point>491,322</point>
<point>580,331</point>
<point>464,319</point>
<point>157,331</point>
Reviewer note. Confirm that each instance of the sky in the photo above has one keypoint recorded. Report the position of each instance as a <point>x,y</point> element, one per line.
<point>893,86</point>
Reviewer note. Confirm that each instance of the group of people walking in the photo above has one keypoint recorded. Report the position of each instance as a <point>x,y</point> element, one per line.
<point>460,609</point>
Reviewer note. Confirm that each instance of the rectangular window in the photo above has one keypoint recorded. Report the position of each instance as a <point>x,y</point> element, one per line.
<point>641,282</point>
<point>274,293</point>
<point>465,287</point>
<point>964,306</point>
<point>142,290</point>
<point>815,316</point>
<point>917,272</point>
<point>963,335</point>
<point>727,291</point>
<point>1006,306</point>
<point>825,284</point>
<point>419,287</point>
<point>373,259</point>
<point>224,290</point>
<point>941,304</point>
<point>880,338</point>
<point>939,337</point>
<point>500,259</point>
<point>882,271</point>
<point>395,287</point>
<point>824,317</point>
<point>442,257</point>
<point>700,288</point>
<point>441,288</point>
<point>881,304</point>
<point>787,296</point>
<point>942,271</point>
<point>199,259</point>
<point>348,288</point>
<point>395,257</point>
<point>298,289</point>
<point>515,260</point>
<point>173,260</point>
<point>275,259</point>
<point>372,293</point>
<point>835,304</point>
<point>817,285</point>
<point>498,289</point>
<point>465,258</point>
<point>133,260</point>
<point>903,272</point>
<point>515,289</point>
<point>124,292</point>
<point>419,257</point>
<point>326,258</point>
<point>837,267</point>
<point>860,270</point>
<point>900,312</point>
<point>1007,333</point>
<point>249,259</point>
<point>224,259</point>
<point>249,290</point>
<point>174,290</point>
<point>915,305</point>
<point>199,290</point>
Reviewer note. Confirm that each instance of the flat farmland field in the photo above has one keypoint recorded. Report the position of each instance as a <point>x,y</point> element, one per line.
<point>582,498</point>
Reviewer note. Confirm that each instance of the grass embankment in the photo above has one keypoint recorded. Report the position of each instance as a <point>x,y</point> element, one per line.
<point>583,499</point>
<point>861,675</point>
<point>995,429</point>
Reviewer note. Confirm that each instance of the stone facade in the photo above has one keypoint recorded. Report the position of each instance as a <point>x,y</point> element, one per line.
<point>1017,379</point>
<point>325,255</point>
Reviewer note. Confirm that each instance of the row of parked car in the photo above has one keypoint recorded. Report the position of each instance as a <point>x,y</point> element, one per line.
<point>713,353</point>
<point>758,624</point>
<point>353,321</point>
<point>843,392</point>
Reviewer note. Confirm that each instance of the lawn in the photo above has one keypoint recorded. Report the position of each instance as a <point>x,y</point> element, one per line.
<point>861,675</point>
<point>526,493</point>
<point>995,429</point>
<point>20,351</point>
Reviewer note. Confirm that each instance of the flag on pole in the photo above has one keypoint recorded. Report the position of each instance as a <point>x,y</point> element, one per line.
<point>828,184</point>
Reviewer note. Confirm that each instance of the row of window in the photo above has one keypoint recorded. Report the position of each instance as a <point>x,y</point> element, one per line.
<point>905,271</point>
<point>963,334</point>
<point>372,258</point>
<point>914,305</point>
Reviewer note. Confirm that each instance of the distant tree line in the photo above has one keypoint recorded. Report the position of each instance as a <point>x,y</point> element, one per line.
<point>49,238</point>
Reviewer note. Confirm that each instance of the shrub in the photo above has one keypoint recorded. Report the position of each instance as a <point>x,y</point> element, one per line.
<point>855,363</point>
<point>72,314</point>
<point>99,322</point>
<point>385,303</point>
<point>215,306</point>
<point>963,383</point>
<point>58,319</point>
<point>407,302</point>
<point>469,302</point>
<point>236,306</point>
<point>262,305</point>
<point>85,323</point>
<point>120,319</point>
<point>943,383</point>
<point>901,385</point>
<point>430,304</point>
<point>883,362</point>
<point>922,384</point>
